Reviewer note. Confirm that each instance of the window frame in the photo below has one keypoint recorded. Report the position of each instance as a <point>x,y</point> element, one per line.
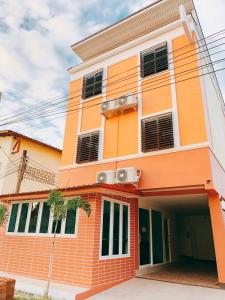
<point>94,73</point>
<point>153,50</point>
<point>62,234</point>
<point>78,148</point>
<point>156,117</point>
<point>110,255</point>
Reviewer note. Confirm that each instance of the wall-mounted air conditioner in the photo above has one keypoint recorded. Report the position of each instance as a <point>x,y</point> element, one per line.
<point>127,175</point>
<point>107,177</point>
<point>109,107</point>
<point>126,102</point>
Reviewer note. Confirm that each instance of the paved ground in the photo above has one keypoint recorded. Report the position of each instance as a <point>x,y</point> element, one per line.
<point>187,272</point>
<point>35,286</point>
<point>143,289</point>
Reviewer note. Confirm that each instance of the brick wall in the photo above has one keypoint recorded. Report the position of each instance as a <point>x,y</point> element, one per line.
<point>76,260</point>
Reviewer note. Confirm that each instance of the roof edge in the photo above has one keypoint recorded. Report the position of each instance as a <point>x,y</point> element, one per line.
<point>17,134</point>
<point>116,23</point>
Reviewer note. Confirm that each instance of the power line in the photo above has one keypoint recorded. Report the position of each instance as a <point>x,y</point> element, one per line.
<point>24,119</point>
<point>42,166</point>
<point>4,152</point>
<point>49,105</point>
<point>136,81</point>
<point>8,166</point>
<point>72,110</point>
<point>9,173</point>
<point>186,46</point>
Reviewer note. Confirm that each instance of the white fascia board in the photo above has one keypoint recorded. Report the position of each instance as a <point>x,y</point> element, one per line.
<point>185,23</point>
<point>123,52</point>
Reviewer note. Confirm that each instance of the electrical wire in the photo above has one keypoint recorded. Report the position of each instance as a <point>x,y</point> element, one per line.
<point>48,104</point>
<point>176,75</point>
<point>42,166</point>
<point>121,79</point>
<point>56,109</point>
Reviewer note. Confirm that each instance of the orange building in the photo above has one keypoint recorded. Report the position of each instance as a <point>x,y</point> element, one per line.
<point>144,143</point>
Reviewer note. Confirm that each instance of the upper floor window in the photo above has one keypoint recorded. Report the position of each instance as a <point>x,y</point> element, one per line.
<point>92,84</point>
<point>35,217</point>
<point>154,60</point>
<point>157,133</point>
<point>88,147</point>
<point>115,229</point>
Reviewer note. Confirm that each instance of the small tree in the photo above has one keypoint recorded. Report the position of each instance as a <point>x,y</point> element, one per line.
<point>59,208</point>
<point>3,211</point>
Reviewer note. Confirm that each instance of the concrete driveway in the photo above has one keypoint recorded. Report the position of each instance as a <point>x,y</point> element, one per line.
<point>144,289</point>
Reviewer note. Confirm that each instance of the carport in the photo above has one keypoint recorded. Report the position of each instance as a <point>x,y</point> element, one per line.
<point>176,241</point>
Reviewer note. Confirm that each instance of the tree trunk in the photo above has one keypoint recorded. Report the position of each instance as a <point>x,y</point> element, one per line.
<point>51,261</point>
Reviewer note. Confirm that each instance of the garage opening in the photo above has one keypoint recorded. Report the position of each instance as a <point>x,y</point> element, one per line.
<point>176,241</point>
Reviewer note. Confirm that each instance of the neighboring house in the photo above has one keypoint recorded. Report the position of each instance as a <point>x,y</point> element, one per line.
<point>151,163</point>
<point>41,163</point>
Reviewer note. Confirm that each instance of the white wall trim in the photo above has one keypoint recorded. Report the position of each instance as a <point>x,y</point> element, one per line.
<point>133,156</point>
<point>120,255</point>
<point>140,112</point>
<point>90,131</point>
<point>174,96</point>
<point>37,233</point>
<point>158,113</point>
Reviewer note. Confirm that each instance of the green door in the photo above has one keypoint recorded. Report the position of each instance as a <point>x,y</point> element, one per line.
<point>166,239</point>
<point>144,236</point>
<point>157,237</point>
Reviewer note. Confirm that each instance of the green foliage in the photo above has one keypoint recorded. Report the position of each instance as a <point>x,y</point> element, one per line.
<point>3,211</point>
<point>27,296</point>
<point>59,207</point>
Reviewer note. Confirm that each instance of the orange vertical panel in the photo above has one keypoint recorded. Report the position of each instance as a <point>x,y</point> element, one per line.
<point>156,94</point>
<point>91,116</point>
<point>188,90</point>
<point>121,131</point>
<point>70,135</point>
<point>218,228</point>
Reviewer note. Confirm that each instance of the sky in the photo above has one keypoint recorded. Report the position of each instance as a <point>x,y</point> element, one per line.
<point>35,53</point>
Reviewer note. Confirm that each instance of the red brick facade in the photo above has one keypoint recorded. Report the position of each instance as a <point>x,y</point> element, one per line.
<point>76,260</point>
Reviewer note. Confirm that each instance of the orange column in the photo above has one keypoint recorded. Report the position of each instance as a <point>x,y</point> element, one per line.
<point>218,227</point>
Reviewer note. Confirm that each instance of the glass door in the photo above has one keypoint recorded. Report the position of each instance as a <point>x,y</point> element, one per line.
<point>167,239</point>
<point>144,236</point>
<point>157,237</point>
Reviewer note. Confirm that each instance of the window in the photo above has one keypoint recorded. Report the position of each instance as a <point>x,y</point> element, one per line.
<point>115,229</point>
<point>13,215</point>
<point>157,133</point>
<point>23,217</point>
<point>70,222</point>
<point>154,60</point>
<point>88,147</point>
<point>45,218</point>
<point>92,85</point>
<point>35,218</point>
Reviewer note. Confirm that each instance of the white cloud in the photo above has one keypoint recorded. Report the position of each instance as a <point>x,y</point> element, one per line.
<point>35,39</point>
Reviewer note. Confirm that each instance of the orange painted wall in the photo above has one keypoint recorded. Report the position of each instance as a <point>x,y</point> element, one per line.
<point>91,117</point>
<point>218,227</point>
<point>155,99</point>
<point>184,168</point>
<point>189,99</point>
<point>122,78</point>
<point>70,134</point>
<point>121,131</point>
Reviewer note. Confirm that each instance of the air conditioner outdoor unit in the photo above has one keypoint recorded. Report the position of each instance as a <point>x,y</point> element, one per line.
<point>125,102</point>
<point>108,107</point>
<point>127,175</point>
<point>107,177</point>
